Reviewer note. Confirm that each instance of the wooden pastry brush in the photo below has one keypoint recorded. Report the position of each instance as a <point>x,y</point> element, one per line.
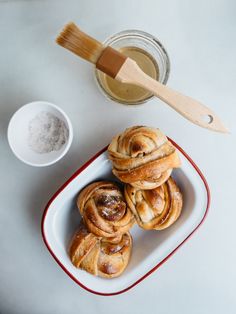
<point>126,70</point>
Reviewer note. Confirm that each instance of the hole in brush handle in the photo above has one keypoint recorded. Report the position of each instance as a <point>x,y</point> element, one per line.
<point>208,118</point>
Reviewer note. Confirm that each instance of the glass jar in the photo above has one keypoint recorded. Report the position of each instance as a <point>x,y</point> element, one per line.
<point>154,61</point>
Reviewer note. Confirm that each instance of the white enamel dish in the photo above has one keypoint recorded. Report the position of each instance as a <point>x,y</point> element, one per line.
<point>150,248</point>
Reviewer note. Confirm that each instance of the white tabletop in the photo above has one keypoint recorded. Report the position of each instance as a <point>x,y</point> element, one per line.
<point>200,38</point>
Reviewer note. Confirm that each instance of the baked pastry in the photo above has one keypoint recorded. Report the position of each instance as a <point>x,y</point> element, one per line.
<point>104,210</point>
<point>143,157</point>
<point>155,209</point>
<point>100,256</point>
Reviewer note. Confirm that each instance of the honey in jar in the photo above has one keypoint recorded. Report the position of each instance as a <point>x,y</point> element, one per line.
<point>129,93</point>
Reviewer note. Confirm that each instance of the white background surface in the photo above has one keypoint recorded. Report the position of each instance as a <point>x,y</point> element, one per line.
<point>200,39</point>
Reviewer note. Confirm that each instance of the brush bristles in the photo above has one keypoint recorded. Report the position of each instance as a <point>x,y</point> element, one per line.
<point>73,39</point>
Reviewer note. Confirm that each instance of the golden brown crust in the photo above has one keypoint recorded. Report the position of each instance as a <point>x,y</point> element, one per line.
<point>143,157</point>
<point>100,256</point>
<point>157,208</point>
<point>81,245</point>
<point>104,209</point>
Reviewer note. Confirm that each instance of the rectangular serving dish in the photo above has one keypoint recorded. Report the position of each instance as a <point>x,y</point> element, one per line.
<point>150,248</point>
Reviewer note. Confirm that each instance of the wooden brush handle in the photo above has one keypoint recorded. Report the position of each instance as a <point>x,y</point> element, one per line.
<point>191,109</point>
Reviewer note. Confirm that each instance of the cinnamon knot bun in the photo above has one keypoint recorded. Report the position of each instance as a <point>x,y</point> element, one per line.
<point>155,209</point>
<point>100,256</point>
<point>143,157</point>
<point>104,210</point>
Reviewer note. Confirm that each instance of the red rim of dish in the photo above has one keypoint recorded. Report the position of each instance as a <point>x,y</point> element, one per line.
<point>154,268</point>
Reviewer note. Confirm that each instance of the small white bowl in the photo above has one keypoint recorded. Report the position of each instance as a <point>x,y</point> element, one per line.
<point>18,132</point>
